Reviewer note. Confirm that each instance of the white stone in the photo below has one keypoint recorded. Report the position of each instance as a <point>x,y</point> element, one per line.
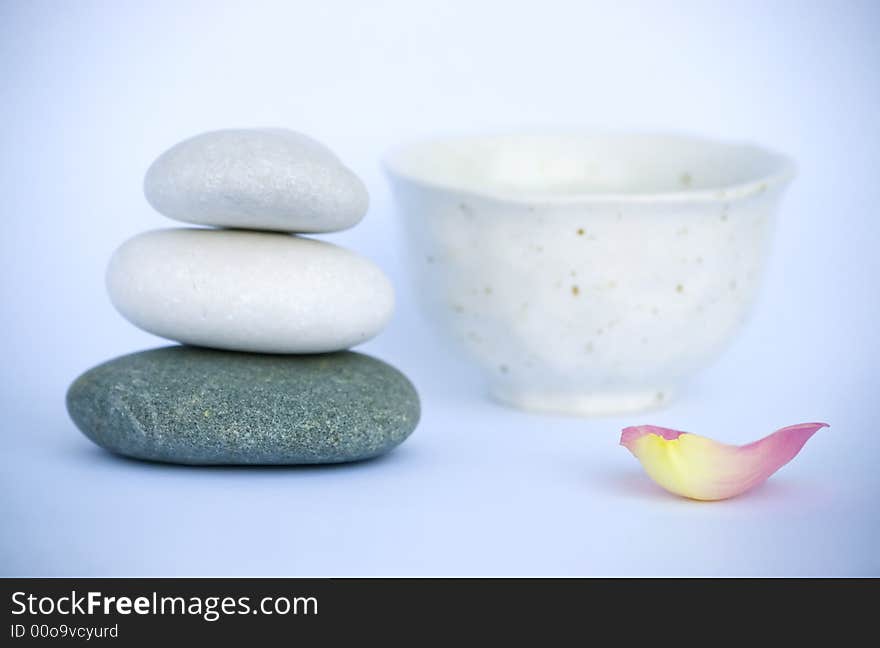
<point>265,179</point>
<point>249,291</point>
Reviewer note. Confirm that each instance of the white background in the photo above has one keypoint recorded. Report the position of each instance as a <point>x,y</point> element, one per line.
<point>92,92</point>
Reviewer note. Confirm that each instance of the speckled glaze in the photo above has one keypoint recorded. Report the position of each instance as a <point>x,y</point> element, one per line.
<point>587,275</point>
<point>200,406</point>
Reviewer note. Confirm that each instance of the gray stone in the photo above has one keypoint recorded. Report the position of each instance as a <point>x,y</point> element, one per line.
<point>191,405</point>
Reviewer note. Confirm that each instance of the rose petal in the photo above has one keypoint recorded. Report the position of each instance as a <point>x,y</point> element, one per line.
<point>700,468</point>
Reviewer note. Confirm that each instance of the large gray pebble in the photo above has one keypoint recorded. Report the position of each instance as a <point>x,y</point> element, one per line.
<point>200,406</point>
<point>268,179</point>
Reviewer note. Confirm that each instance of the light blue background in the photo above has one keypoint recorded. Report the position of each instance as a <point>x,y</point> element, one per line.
<point>92,92</point>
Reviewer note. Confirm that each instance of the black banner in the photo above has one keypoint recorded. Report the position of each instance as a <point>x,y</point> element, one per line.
<point>149,611</point>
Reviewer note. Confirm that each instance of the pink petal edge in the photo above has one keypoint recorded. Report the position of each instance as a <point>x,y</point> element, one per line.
<point>630,434</point>
<point>793,436</point>
<point>799,434</point>
<point>783,445</point>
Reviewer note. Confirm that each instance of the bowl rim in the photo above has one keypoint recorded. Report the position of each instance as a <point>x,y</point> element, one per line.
<point>784,170</point>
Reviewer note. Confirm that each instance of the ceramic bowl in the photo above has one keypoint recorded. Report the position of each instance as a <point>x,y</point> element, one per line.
<point>587,274</point>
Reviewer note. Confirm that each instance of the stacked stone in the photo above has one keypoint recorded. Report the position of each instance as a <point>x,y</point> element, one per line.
<point>269,315</point>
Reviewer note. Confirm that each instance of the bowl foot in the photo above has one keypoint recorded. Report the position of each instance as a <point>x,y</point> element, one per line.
<point>595,403</point>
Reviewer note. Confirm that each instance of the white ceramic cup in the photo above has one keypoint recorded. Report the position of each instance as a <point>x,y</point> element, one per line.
<point>587,274</point>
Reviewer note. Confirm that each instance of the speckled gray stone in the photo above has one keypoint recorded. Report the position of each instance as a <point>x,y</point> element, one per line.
<point>200,406</point>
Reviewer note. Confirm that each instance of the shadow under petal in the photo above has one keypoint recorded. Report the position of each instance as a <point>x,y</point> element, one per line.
<point>631,484</point>
<point>637,485</point>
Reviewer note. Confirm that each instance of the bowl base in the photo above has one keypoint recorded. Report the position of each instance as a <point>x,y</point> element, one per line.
<point>581,403</point>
